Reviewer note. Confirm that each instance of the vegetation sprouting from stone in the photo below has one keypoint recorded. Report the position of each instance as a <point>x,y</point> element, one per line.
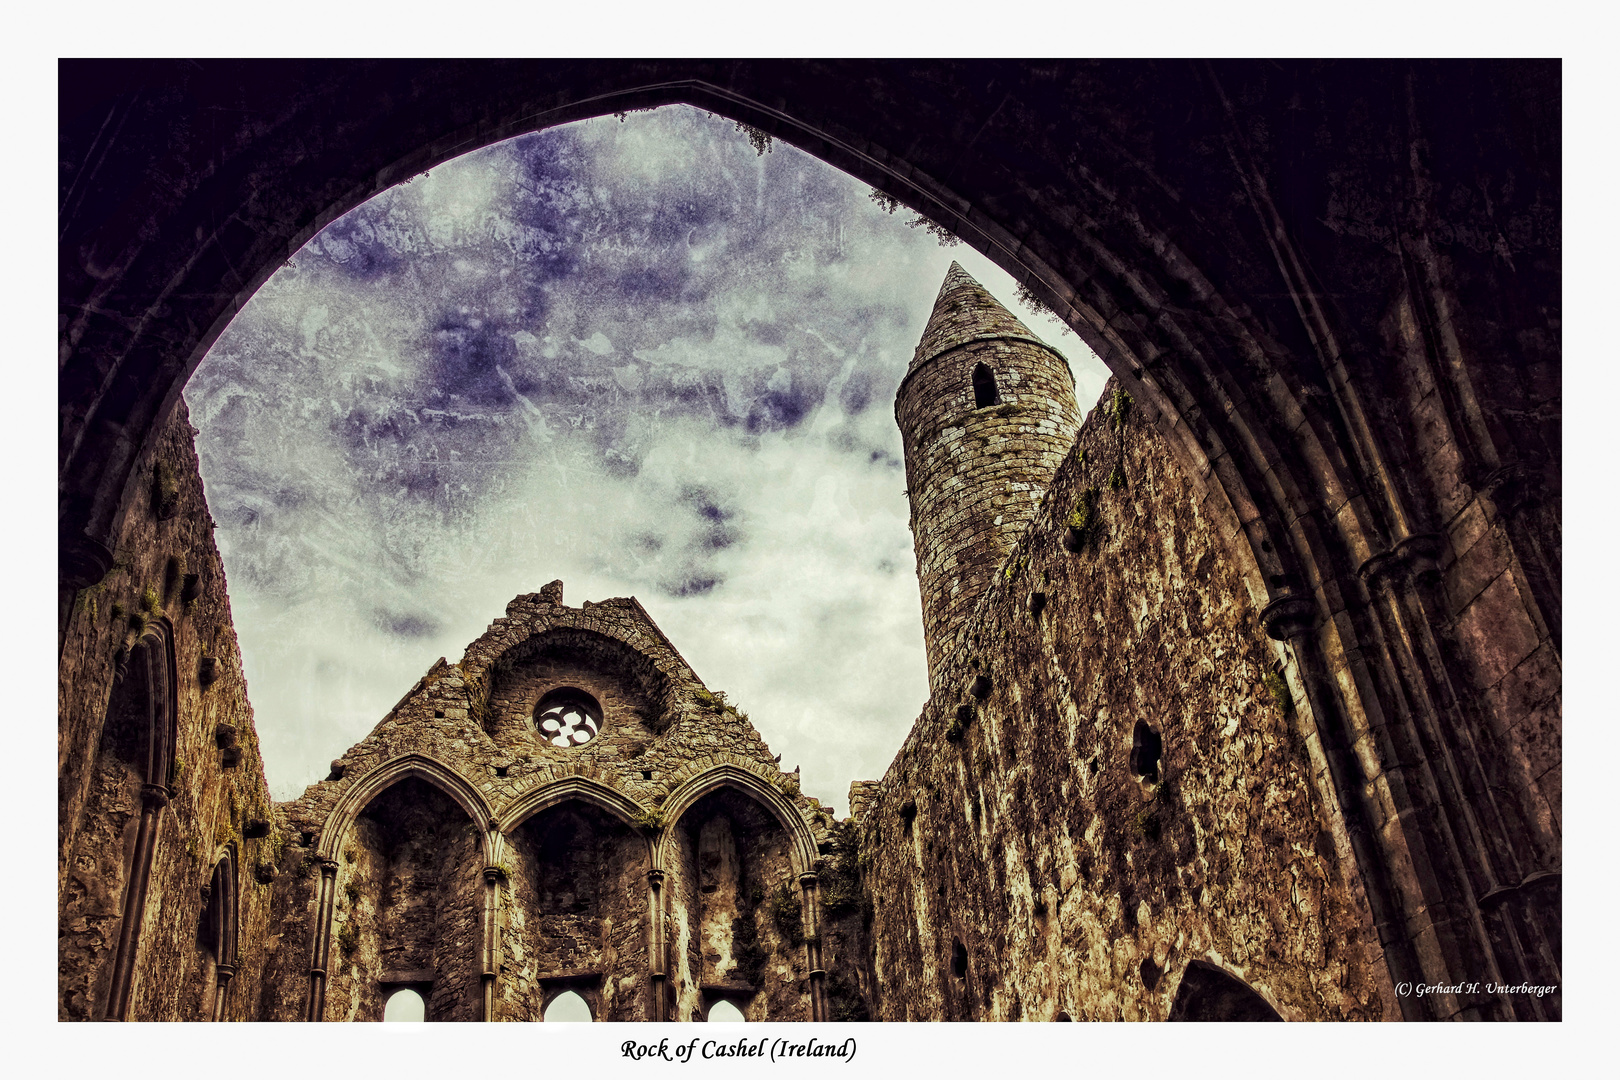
<point>349,939</point>
<point>649,820</point>
<point>787,913</point>
<point>759,140</point>
<point>841,888</point>
<point>1030,300</point>
<point>165,491</point>
<point>1277,686</point>
<point>845,1000</point>
<point>888,202</point>
<point>1116,479</point>
<point>1119,408</point>
<point>1084,519</point>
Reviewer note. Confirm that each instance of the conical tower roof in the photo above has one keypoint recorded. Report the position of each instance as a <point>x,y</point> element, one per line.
<point>965,311</point>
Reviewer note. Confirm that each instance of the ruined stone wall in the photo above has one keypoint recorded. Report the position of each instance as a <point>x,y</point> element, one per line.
<point>738,913</point>
<point>1034,854</point>
<point>408,907</point>
<point>574,895</point>
<point>577,918</point>
<point>166,587</point>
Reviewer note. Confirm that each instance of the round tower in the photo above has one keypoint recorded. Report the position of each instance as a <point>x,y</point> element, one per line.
<point>987,414</point>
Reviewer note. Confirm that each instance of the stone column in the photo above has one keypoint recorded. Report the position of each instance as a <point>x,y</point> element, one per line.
<point>154,797</point>
<point>491,959</point>
<point>323,942</point>
<point>809,883</point>
<point>655,945</point>
<point>222,986</point>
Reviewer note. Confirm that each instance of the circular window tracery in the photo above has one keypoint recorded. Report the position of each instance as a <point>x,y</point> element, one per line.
<point>568,717</point>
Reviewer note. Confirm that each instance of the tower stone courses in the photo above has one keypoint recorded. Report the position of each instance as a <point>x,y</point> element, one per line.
<point>975,475</point>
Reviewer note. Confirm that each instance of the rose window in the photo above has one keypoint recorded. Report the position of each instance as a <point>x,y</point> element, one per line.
<point>567,718</point>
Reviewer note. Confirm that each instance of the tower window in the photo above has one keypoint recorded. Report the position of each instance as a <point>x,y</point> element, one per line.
<point>984,388</point>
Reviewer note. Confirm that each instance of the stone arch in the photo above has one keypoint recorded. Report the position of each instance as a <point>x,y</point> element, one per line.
<point>481,895</point>
<point>743,892</point>
<point>391,772</point>
<point>599,793</point>
<point>218,931</point>
<point>577,863</point>
<point>1208,992</point>
<point>766,794</point>
<point>1308,324</point>
<point>646,680</point>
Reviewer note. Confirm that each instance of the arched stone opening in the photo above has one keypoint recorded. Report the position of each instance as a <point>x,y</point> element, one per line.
<point>985,393</point>
<point>216,937</point>
<point>1208,993</point>
<point>405,1005</point>
<point>568,1007</point>
<point>407,907</point>
<point>1350,344</point>
<point>736,906</point>
<point>125,789</point>
<point>577,921</point>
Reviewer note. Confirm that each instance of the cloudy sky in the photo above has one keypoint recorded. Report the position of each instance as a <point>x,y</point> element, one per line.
<point>632,354</point>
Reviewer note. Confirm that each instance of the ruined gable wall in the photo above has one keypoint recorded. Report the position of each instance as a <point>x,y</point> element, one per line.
<point>214,794</point>
<point>1027,871</point>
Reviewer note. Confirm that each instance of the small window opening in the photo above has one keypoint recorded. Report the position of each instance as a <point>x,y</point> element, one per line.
<point>958,959</point>
<point>724,1012</point>
<point>984,388</point>
<point>568,716</point>
<point>405,1006</point>
<point>1146,746</point>
<point>568,1008</point>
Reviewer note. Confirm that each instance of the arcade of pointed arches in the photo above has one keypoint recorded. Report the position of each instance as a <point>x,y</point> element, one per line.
<point>494,831</point>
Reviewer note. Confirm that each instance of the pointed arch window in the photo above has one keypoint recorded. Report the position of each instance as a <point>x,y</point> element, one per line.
<point>568,1007</point>
<point>985,392</point>
<point>724,1012</point>
<point>218,931</point>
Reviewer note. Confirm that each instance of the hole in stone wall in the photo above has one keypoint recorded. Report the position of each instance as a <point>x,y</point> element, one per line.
<point>404,1006</point>
<point>568,1008</point>
<point>958,959</point>
<point>984,388</point>
<point>724,1012</point>
<point>1146,747</point>
<point>568,716</point>
<point>1208,993</point>
<point>1063,1018</point>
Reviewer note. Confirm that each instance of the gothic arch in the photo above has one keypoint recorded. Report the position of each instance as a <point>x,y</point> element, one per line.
<point>1303,320</point>
<point>374,783</point>
<point>220,928</point>
<point>767,795</point>
<point>585,789</point>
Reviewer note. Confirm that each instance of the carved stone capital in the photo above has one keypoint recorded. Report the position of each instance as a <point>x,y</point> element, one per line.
<point>329,867</point>
<point>224,971</point>
<point>655,877</point>
<point>808,879</point>
<point>82,562</point>
<point>1288,617</point>
<point>155,796</point>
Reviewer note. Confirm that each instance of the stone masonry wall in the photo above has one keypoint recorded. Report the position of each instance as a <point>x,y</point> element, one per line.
<point>216,792</point>
<point>1032,864</point>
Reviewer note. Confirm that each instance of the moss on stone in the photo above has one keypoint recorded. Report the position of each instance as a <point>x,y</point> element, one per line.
<point>1277,686</point>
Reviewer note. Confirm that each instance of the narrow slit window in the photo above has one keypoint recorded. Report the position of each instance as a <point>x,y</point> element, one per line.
<point>984,388</point>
